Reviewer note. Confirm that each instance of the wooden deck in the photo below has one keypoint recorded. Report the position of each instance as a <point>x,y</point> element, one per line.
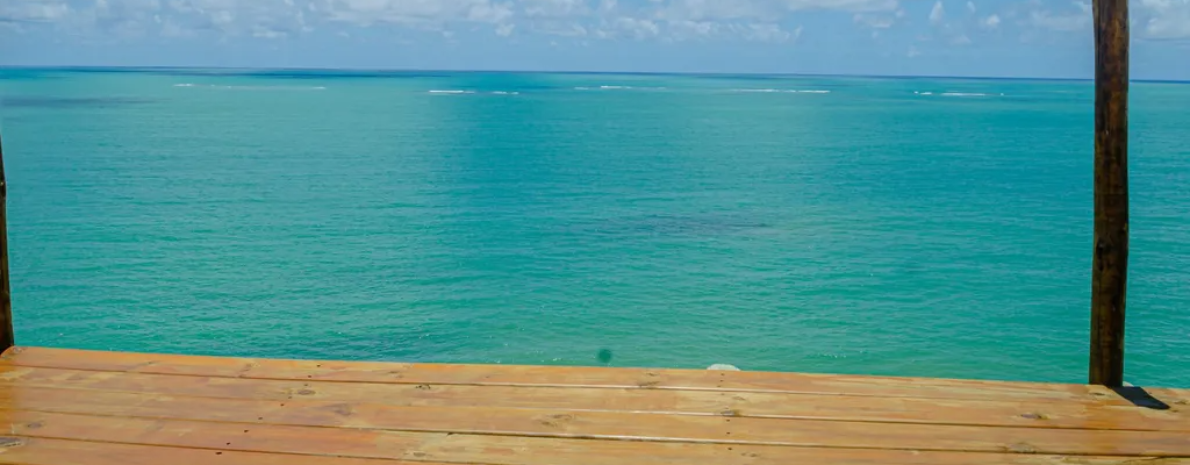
<point>108,408</point>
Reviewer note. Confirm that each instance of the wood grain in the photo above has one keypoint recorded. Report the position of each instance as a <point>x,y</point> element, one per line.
<point>229,438</point>
<point>1109,269</point>
<point>7,339</point>
<point>35,384</point>
<point>41,451</point>
<point>84,407</point>
<point>563,423</point>
<point>595,377</point>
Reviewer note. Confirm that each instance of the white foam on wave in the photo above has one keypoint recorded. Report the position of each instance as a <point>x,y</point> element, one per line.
<point>185,84</point>
<point>964,94</point>
<point>614,87</point>
<point>923,93</point>
<point>812,91</point>
<point>451,91</point>
<point>501,92</point>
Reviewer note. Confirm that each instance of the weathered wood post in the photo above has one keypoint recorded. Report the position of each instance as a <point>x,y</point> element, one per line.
<point>1110,265</point>
<point>6,334</point>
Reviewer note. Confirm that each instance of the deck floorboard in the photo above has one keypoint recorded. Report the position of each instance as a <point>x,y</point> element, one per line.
<point>99,408</point>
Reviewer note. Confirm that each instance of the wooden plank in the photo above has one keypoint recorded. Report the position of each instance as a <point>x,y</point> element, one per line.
<point>606,425</point>
<point>738,404</point>
<point>504,375</point>
<point>463,449</point>
<point>40,451</point>
<point>497,450</point>
<point>214,436</point>
<point>740,431</point>
<point>1109,268</point>
<point>645,400</point>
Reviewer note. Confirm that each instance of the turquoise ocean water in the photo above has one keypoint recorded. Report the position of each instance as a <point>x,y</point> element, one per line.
<point>932,227</point>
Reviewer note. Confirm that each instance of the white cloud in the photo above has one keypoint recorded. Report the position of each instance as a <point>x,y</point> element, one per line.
<point>559,28</point>
<point>938,13</point>
<point>36,11</point>
<point>703,10</point>
<point>680,31</point>
<point>669,20</point>
<point>1165,19</point>
<point>875,20</point>
<point>844,5</point>
<point>169,28</point>
<point>762,10</point>
<point>265,19</point>
<point>269,34</point>
<point>687,30</point>
<point>764,32</point>
<point>630,27</point>
<point>950,31</point>
<point>1075,18</point>
<point>554,8</point>
<point>991,22</point>
<point>417,12</point>
<point>126,18</point>
<point>913,52</point>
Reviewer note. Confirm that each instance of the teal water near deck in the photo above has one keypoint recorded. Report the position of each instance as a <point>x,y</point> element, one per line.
<point>926,227</point>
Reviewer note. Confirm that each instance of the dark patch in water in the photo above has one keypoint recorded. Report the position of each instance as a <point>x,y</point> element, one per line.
<point>675,225</point>
<point>695,225</point>
<point>17,74</point>
<point>70,102</point>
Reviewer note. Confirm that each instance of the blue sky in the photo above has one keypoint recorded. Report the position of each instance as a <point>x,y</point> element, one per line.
<point>1036,38</point>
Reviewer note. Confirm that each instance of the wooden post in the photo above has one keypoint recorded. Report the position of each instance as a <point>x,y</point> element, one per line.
<point>1110,266</point>
<point>6,334</point>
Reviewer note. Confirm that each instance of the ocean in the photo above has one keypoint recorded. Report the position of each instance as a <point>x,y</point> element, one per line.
<point>893,226</point>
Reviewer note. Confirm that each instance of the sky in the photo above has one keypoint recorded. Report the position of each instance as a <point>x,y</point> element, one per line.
<point>993,38</point>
